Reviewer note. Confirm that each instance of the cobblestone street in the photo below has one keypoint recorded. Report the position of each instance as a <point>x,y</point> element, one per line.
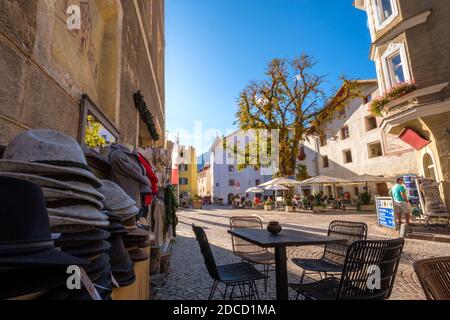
<point>189,279</point>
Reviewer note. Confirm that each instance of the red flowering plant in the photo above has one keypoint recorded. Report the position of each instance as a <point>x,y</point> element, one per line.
<point>377,105</point>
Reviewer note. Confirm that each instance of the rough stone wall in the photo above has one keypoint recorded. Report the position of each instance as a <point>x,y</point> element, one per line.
<point>428,43</point>
<point>46,68</point>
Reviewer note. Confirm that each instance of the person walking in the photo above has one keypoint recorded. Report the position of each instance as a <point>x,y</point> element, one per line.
<point>401,202</point>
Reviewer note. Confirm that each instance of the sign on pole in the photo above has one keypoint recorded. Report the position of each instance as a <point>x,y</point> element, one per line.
<point>385,212</point>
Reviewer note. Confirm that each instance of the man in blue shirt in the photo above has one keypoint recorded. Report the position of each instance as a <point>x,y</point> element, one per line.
<point>401,202</point>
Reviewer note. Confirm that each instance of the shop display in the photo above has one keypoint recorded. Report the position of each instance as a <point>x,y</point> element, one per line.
<point>128,173</point>
<point>29,261</point>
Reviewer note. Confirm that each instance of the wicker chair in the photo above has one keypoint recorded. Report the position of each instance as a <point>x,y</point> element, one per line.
<point>360,270</point>
<point>332,260</point>
<point>434,277</point>
<point>248,251</point>
<point>243,275</point>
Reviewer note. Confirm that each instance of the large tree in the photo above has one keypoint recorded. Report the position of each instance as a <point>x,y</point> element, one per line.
<point>292,100</point>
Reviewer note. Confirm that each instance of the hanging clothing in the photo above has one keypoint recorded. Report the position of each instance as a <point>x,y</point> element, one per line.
<point>171,203</point>
<point>128,173</point>
<point>151,176</point>
<point>157,221</point>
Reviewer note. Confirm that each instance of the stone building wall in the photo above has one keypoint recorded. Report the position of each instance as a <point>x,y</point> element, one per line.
<point>46,68</point>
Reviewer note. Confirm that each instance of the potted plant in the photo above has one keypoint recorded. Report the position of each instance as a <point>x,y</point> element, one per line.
<point>289,205</point>
<point>365,202</point>
<point>268,205</point>
<point>196,202</point>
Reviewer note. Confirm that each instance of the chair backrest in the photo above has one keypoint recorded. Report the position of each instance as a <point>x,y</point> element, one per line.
<point>349,230</point>
<point>434,277</point>
<point>370,269</point>
<point>242,247</point>
<point>206,252</point>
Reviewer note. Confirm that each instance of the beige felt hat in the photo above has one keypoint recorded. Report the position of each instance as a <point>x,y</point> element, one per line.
<point>78,212</point>
<point>115,197</point>
<point>77,186</point>
<point>61,221</point>
<point>43,151</point>
<point>52,195</point>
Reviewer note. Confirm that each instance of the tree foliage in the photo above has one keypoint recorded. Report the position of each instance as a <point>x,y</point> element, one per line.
<point>93,138</point>
<point>291,99</point>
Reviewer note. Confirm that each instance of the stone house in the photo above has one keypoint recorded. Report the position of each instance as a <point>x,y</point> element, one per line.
<point>410,44</point>
<point>354,144</point>
<point>64,60</point>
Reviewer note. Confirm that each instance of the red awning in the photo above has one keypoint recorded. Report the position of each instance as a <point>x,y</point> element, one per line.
<point>410,137</point>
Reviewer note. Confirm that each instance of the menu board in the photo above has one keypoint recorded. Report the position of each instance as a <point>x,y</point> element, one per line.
<point>385,212</point>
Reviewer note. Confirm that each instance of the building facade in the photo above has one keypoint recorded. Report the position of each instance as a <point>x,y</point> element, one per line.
<point>187,170</point>
<point>63,61</point>
<point>226,178</point>
<point>354,144</point>
<point>410,45</point>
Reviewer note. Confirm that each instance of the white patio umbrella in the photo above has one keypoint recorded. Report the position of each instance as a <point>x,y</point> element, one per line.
<point>280,181</point>
<point>254,190</point>
<point>366,178</point>
<point>321,180</point>
<point>276,187</point>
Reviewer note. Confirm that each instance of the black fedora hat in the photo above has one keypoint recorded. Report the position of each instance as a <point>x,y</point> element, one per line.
<point>67,239</point>
<point>24,281</point>
<point>25,238</point>
<point>98,263</point>
<point>88,250</point>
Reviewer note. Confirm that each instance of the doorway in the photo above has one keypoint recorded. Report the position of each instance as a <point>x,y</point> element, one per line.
<point>382,189</point>
<point>429,168</point>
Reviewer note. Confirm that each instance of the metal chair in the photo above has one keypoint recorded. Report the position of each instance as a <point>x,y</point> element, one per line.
<point>248,251</point>
<point>369,273</point>
<point>243,275</point>
<point>332,260</point>
<point>434,277</point>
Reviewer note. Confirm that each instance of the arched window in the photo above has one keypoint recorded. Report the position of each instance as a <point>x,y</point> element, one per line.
<point>429,168</point>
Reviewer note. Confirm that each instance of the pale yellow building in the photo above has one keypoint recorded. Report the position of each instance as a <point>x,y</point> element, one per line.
<point>187,172</point>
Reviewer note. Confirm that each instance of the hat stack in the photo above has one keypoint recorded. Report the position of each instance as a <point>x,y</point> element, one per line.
<point>57,163</point>
<point>30,265</point>
<point>127,239</point>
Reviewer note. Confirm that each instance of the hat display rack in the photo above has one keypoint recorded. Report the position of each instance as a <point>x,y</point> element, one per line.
<point>83,221</point>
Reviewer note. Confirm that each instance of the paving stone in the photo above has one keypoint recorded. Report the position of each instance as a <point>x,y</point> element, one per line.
<point>188,278</point>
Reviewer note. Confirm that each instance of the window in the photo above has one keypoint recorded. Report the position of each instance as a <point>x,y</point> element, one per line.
<point>257,182</point>
<point>348,156</point>
<point>325,162</point>
<point>183,181</point>
<point>183,167</point>
<point>384,11</point>
<point>395,66</point>
<point>345,133</point>
<point>367,99</point>
<point>96,131</point>
<point>371,123</point>
<point>356,191</point>
<point>230,168</point>
<point>217,184</point>
<point>375,150</point>
<point>231,182</point>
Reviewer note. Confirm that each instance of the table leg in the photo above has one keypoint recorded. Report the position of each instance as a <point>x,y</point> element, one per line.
<point>281,273</point>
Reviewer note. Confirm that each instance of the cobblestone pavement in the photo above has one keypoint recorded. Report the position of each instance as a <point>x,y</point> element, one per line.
<point>189,280</point>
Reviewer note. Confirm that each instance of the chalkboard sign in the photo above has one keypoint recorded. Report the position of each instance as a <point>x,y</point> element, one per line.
<point>385,212</point>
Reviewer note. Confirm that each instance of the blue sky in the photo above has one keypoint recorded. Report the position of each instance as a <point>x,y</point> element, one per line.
<point>214,48</point>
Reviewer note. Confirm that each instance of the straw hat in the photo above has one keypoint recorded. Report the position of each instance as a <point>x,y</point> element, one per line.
<point>46,152</point>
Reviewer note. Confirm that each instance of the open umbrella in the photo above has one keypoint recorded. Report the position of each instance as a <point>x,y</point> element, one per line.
<point>280,181</point>
<point>321,180</point>
<point>254,190</point>
<point>366,178</point>
<point>275,188</point>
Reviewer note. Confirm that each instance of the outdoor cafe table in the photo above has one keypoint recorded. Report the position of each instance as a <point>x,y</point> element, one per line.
<point>286,238</point>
